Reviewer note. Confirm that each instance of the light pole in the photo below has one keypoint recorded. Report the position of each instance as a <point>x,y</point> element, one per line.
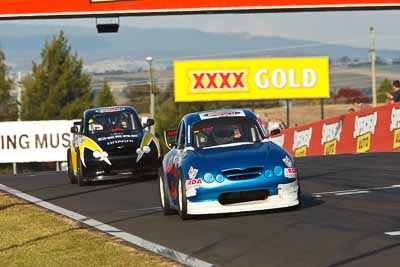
<point>19,102</point>
<point>152,95</point>
<point>373,70</point>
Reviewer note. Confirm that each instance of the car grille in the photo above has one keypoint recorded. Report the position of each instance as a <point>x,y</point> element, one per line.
<point>242,174</point>
<point>245,196</point>
<point>121,152</point>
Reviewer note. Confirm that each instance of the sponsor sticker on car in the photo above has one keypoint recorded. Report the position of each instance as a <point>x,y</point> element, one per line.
<point>290,173</point>
<point>107,110</point>
<point>288,162</point>
<point>192,185</point>
<point>194,182</point>
<point>192,173</point>
<point>191,192</point>
<point>219,114</point>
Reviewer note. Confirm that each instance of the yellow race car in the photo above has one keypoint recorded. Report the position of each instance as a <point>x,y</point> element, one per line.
<point>110,143</point>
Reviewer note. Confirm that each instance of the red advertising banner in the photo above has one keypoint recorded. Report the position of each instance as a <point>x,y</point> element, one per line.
<point>370,130</point>
<point>59,8</point>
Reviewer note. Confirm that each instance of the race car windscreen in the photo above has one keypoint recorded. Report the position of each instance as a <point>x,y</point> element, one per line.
<point>223,131</point>
<point>111,122</point>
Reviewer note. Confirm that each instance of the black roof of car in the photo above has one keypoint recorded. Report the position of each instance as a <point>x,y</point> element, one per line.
<point>90,112</point>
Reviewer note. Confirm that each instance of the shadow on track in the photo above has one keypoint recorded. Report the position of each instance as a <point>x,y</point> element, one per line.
<point>308,201</point>
<point>96,187</point>
<point>102,186</point>
<point>326,173</point>
<point>142,214</point>
<point>46,187</point>
<point>364,255</point>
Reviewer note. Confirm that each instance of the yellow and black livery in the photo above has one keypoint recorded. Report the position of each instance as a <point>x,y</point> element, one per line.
<point>111,142</point>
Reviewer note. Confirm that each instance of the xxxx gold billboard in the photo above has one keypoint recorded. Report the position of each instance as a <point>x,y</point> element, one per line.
<point>251,79</point>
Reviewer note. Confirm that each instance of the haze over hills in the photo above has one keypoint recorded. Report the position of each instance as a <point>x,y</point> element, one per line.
<point>126,50</point>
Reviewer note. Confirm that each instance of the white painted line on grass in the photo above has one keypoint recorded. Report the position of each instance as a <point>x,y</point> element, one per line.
<point>392,233</point>
<point>344,192</point>
<point>135,240</point>
<point>352,193</point>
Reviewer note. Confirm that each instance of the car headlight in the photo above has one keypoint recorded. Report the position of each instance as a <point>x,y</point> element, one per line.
<point>278,171</point>
<point>219,178</point>
<point>268,173</point>
<point>208,178</point>
<point>146,149</point>
<point>96,154</point>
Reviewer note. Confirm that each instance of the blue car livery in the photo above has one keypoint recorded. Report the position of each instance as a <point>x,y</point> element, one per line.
<point>222,162</point>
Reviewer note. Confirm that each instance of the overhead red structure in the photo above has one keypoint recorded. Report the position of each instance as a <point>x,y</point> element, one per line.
<point>10,9</point>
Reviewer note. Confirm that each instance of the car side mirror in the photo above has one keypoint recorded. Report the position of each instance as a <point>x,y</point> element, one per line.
<point>74,129</point>
<point>172,145</point>
<point>170,134</point>
<point>275,131</point>
<point>149,122</point>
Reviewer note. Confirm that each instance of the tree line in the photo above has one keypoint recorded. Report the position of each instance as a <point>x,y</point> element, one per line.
<point>56,88</point>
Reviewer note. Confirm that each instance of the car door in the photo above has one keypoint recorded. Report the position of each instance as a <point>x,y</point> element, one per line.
<point>180,146</point>
<point>173,160</point>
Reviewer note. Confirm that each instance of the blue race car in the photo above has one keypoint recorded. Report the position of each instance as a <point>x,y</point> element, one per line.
<point>221,162</point>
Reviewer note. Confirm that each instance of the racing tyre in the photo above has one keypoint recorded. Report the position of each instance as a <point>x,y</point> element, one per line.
<point>298,206</point>
<point>182,201</point>
<point>164,196</point>
<point>71,175</point>
<point>81,172</point>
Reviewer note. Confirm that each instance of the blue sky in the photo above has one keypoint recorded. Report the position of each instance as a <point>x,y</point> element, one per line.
<point>347,27</point>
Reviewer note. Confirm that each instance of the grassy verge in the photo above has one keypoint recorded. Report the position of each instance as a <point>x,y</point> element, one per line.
<point>31,236</point>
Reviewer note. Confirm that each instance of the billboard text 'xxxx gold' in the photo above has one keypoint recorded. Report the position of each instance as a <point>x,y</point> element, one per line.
<point>251,79</point>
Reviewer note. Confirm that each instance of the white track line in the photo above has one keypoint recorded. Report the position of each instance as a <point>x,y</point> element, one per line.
<point>347,192</point>
<point>393,233</point>
<point>352,193</point>
<point>135,240</point>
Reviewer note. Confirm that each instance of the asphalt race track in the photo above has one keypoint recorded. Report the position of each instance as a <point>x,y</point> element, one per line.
<point>345,228</point>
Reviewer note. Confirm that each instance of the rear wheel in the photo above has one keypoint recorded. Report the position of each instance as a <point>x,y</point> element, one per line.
<point>182,201</point>
<point>81,173</point>
<point>164,196</point>
<point>71,175</point>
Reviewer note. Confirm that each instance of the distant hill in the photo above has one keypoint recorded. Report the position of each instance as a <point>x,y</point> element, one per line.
<point>22,44</point>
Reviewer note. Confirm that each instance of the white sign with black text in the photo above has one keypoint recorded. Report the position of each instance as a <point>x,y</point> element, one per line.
<point>34,141</point>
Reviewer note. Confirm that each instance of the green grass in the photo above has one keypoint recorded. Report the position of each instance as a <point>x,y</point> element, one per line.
<point>6,169</point>
<point>31,236</point>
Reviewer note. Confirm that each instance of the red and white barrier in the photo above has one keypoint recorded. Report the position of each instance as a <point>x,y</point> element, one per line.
<point>370,130</point>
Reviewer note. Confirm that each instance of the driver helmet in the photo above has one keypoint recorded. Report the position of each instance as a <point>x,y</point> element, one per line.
<point>91,124</point>
<point>223,134</point>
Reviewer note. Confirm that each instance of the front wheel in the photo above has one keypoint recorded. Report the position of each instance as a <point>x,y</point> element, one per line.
<point>182,201</point>
<point>81,173</point>
<point>298,206</point>
<point>163,190</point>
<point>71,175</point>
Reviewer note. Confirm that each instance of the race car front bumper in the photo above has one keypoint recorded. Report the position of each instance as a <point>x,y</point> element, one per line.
<point>122,167</point>
<point>287,197</point>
